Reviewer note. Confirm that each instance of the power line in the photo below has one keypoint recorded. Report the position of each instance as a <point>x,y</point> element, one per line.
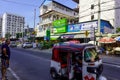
<point>14,2</point>
<point>96,5</point>
<point>101,11</point>
<point>42,3</point>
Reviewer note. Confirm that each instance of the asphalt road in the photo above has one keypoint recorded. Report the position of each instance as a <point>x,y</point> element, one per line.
<point>27,66</point>
<point>34,65</point>
<point>111,71</point>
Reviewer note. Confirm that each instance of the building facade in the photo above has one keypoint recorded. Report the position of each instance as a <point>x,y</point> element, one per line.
<point>0,26</point>
<point>54,11</point>
<point>12,24</point>
<point>109,10</point>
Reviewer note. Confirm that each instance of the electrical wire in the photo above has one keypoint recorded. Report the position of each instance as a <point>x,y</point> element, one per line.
<point>96,5</point>
<point>101,11</point>
<point>14,2</point>
<point>42,3</point>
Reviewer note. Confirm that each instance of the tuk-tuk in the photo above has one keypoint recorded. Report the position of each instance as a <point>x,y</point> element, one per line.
<point>79,61</point>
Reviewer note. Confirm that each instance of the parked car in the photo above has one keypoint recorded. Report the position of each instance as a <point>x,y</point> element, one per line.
<point>13,44</point>
<point>27,45</point>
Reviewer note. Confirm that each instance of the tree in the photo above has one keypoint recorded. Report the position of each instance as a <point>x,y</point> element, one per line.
<point>118,29</point>
<point>18,35</point>
<point>7,35</point>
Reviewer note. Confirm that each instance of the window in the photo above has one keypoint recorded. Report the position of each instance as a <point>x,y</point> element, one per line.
<point>90,55</point>
<point>92,17</point>
<point>92,6</point>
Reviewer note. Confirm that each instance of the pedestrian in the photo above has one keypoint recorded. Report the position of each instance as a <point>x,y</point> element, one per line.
<point>5,57</point>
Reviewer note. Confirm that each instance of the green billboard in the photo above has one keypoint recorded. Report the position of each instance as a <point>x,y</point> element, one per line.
<point>60,26</point>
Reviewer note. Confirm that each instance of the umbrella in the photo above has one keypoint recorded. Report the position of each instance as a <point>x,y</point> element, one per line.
<point>106,40</point>
<point>117,38</point>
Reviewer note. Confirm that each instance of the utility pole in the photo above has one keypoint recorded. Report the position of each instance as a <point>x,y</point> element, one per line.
<point>34,23</point>
<point>34,17</point>
<point>23,34</point>
<point>99,15</point>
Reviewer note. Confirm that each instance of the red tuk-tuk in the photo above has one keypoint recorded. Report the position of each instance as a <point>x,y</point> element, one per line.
<point>76,62</point>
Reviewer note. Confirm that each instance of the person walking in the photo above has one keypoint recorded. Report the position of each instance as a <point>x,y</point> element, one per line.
<point>5,57</point>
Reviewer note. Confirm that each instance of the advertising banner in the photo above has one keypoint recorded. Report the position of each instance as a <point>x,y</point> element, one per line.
<point>82,26</point>
<point>105,26</point>
<point>60,26</point>
<point>59,30</point>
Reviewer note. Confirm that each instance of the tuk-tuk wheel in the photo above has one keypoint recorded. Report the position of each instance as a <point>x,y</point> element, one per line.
<point>53,74</point>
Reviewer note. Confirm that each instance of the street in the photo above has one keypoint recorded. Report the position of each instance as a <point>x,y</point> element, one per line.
<point>28,66</point>
<point>34,65</point>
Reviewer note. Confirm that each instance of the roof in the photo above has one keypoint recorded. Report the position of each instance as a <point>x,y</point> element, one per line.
<point>78,46</point>
<point>62,4</point>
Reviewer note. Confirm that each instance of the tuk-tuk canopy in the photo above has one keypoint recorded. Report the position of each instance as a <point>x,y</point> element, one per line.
<point>79,46</point>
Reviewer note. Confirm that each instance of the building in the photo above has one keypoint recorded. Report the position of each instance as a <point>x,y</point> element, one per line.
<point>37,30</point>
<point>109,10</point>
<point>28,31</point>
<point>54,11</point>
<point>12,24</point>
<point>0,26</point>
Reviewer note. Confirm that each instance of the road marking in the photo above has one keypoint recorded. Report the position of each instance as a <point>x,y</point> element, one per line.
<point>112,65</point>
<point>13,73</point>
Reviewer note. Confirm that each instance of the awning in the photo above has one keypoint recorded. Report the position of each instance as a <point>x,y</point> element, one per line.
<point>67,36</point>
<point>81,36</point>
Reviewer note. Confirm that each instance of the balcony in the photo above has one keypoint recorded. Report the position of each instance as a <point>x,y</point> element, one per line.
<point>45,22</point>
<point>70,13</point>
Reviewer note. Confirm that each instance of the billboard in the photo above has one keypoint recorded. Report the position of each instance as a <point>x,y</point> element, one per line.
<point>81,26</point>
<point>88,25</point>
<point>60,26</point>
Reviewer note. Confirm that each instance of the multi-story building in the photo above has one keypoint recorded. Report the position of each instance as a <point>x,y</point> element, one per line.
<point>0,25</point>
<point>37,30</point>
<point>12,24</point>
<point>109,10</point>
<point>28,32</point>
<point>55,11</point>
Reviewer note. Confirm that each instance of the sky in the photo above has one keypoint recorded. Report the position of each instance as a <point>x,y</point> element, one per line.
<point>26,8</point>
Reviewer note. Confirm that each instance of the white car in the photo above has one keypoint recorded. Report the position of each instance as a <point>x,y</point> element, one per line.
<point>13,44</point>
<point>27,45</point>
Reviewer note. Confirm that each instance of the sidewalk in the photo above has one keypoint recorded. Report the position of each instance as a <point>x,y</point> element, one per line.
<point>9,75</point>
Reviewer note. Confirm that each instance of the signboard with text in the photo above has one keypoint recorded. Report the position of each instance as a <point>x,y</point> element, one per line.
<point>60,26</point>
<point>82,26</point>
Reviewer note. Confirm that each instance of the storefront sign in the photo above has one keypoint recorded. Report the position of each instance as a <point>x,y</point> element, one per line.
<point>82,26</point>
<point>60,26</point>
